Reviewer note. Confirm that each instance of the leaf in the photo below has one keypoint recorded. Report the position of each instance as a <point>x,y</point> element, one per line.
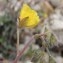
<point>2,39</point>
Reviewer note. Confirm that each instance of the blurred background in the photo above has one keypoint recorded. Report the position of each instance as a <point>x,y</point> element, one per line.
<point>46,49</point>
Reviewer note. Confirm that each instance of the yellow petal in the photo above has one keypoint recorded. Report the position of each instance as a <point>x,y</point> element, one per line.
<point>33,18</point>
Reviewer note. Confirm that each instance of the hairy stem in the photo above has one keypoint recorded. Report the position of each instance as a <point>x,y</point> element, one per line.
<point>17,38</point>
<point>25,47</point>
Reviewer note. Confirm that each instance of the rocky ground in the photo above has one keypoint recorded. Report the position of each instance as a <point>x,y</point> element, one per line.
<point>51,16</point>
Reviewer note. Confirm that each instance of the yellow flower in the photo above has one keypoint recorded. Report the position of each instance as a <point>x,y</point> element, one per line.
<point>28,17</point>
